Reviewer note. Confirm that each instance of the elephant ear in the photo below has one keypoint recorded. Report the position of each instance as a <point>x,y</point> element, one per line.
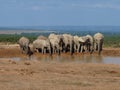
<point>81,39</point>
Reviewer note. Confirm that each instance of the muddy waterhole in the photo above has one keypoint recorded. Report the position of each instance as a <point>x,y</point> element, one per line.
<point>73,59</point>
<point>108,56</point>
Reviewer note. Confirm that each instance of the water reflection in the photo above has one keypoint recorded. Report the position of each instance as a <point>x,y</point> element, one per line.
<point>82,59</point>
<point>74,58</point>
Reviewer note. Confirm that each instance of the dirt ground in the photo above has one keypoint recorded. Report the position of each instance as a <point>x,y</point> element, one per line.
<point>39,75</point>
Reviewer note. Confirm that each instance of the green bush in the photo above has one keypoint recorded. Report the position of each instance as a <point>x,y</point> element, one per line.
<point>112,41</point>
<point>14,38</point>
<point>109,40</point>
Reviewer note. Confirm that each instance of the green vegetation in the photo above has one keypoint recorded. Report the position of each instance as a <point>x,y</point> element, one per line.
<point>112,41</point>
<point>14,38</point>
<point>109,40</point>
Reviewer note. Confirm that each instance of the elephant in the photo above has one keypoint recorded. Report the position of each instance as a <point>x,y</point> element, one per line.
<point>43,45</point>
<point>90,43</point>
<point>83,43</point>
<point>68,43</point>
<point>76,43</point>
<point>24,46</point>
<point>42,37</point>
<point>56,43</point>
<point>98,41</point>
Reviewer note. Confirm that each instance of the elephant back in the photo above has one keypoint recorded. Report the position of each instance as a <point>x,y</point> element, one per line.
<point>68,38</point>
<point>90,38</point>
<point>83,39</point>
<point>76,39</point>
<point>24,41</point>
<point>42,37</point>
<point>98,36</point>
<point>55,39</point>
<point>39,43</point>
<point>52,36</point>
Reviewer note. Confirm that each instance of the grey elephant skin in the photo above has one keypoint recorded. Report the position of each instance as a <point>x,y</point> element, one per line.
<point>98,40</point>
<point>90,43</point>
<point>56,43</point>
<point>43,44</point>
<point>24,45</point>
<point>68,43</point>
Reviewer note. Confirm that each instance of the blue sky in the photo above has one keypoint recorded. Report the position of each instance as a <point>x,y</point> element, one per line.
<point>59,12</point>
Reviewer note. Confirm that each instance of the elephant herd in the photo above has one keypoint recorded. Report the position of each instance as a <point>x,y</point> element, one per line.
<point>62,43</point>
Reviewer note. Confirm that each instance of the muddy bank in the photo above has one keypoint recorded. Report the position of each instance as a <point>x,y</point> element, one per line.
<point>36,75</point>
<point>14,51</point>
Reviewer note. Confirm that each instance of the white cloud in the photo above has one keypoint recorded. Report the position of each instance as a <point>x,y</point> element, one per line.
<point>65,5</point>
<point>13,1</point>
<point>107,6</point>
<point>36,8</point>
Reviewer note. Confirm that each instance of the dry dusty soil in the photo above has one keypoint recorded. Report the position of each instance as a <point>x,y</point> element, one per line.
<point>39,75</point>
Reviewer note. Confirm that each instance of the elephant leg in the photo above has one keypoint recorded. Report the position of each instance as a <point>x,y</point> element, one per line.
<point>53,50</point>
<point>42,50</point>
<point>78,49</point>
<point>82,49</point>
<point>50,50</point>
<point>37,50</point>
<point>99,48</point>
<point>96,47</point>
<point>75,48</point>
<point>45,50</point>
<point>86,48</point>
<point>101,45</point>
<point>58,51</point>
<point>91,49</point>
<point>65,49</point>
<point>21,50</point>
<point>25,49</point>
<point>70,49</point>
